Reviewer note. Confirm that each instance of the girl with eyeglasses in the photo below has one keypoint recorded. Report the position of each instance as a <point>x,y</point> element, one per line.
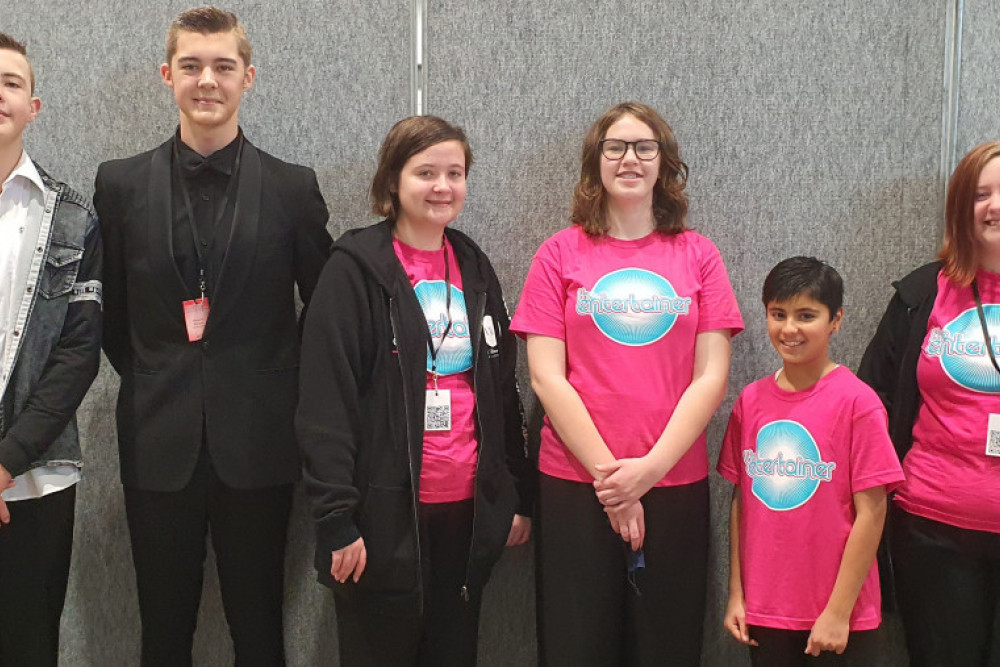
<point>409,418</point>
<point>627,316</point>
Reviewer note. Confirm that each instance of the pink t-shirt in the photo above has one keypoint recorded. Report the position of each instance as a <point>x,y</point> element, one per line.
<point>799,457</point>
<point>448,470</point>
<point>949,476</point>
<point>629,312</point>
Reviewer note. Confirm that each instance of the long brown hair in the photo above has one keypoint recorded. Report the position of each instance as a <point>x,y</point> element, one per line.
<point>960,250</point>
<point>669,201</point>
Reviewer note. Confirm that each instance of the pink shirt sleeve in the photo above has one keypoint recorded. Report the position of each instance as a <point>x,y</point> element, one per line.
<point>729,456</point>
<point>873,459</point>
<point>718,308</point>
<point>543,299</point>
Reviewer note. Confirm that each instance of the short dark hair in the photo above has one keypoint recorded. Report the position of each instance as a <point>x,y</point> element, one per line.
<point>9,43</point>
<point>209,21</point>
<point>804,275</point>
<point>407,138</point>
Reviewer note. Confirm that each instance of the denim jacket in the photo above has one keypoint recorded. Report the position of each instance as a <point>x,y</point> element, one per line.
<point>54,350</point>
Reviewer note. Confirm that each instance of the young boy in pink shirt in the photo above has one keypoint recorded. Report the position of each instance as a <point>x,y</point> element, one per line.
<point>809,452</point>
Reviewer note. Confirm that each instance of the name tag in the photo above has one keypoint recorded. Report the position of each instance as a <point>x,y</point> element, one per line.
<point>993,436</point>
<point>488,332</point>
<point>437,410</point>
<point>195,317</point>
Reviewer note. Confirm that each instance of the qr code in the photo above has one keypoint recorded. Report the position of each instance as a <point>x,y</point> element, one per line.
<point>438,418</point>
<point>993,447</point>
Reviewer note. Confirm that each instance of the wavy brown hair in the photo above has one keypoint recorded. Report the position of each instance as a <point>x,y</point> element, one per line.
<point>407,138</point>
<point>670,204</point>
<point>960,249</point>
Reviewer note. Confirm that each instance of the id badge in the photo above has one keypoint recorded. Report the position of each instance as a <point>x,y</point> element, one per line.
<point>993,436</point>
<point>489,334</point>
<point>437,410</point>
<point>195,317</point>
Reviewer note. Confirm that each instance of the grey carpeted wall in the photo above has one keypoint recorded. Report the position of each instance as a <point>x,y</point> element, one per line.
<point>808,127</point>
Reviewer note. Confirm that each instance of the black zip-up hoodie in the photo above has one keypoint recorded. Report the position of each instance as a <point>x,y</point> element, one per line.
<point>889,365</point>
<point>360,416</point>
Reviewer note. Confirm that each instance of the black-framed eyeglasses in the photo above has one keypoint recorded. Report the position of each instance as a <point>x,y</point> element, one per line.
<point>644,149</point>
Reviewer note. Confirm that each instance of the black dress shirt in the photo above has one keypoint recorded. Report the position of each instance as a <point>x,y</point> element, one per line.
<point>207,180</point>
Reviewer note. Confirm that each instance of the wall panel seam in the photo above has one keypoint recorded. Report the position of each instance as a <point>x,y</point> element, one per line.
<point>418,57</point>
<point>952,87</point>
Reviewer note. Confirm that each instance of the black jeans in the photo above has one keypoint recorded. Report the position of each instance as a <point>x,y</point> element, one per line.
<point>590,610</point>
<point>249,530</point>
<point>786,648</point>
<point>948,588</point>
<point>447,634</point>
<point>35,550</point>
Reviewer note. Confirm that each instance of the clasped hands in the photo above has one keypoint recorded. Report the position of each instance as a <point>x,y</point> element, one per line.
<point>619,487</point>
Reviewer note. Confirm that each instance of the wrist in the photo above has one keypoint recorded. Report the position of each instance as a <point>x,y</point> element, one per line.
<point>655,468</point>
<point>835,613</point>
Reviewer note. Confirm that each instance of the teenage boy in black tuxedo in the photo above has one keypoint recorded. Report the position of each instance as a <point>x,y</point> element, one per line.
<point>207,237</point>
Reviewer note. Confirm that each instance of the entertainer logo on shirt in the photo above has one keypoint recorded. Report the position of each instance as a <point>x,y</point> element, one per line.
<point>632,306</point>
<point>963,354</point>
<point>786,469</point>
<point>455,353</point>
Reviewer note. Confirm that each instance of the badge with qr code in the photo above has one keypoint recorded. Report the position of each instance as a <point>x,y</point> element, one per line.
<point>437,410</point>
<point>993,436</point>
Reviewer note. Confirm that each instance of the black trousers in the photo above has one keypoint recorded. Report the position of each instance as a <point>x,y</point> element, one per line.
<point>249,530</point>
<point>590,610</point>
<point>35,550</point>
<point>786,648</point>
<point>948,589</point>
<point>447,635</point>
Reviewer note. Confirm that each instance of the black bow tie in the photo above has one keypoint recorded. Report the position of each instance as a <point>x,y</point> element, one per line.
<point>194,164</point>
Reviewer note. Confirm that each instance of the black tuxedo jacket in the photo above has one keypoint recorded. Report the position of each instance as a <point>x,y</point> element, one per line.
<point>242,377</point>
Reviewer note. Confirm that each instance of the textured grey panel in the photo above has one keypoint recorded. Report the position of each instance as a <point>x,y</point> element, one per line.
<point>809,128</point>
<point>979,99</point>
<point>332,78</point>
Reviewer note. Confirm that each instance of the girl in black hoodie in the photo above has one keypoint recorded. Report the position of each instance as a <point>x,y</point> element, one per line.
<point>409,418</point>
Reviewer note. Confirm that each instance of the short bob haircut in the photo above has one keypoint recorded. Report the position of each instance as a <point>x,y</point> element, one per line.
<point>209,21</point>
<point>407,138</point>
<point>8,43</point>
<point>960,251</point>
<point>669,201</point>
<point>807,276</point>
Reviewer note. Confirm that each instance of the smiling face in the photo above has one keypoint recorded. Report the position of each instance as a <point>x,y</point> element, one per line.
<point>629,179</point>
<point>800,330</point>
<point>208,78</point>
<point>18,107</point>
<point>986,215</point>
<point>431,189</point>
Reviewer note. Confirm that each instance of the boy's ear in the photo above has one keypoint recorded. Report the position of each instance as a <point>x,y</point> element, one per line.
<point>838,317</point>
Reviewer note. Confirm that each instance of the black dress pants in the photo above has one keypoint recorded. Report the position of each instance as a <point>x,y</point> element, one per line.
<point>591,610</point>
<point>35,550</point>
<point>447,633</point>
<point>249,530</point>
<point>786,648</point>
<point>948,590</point>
